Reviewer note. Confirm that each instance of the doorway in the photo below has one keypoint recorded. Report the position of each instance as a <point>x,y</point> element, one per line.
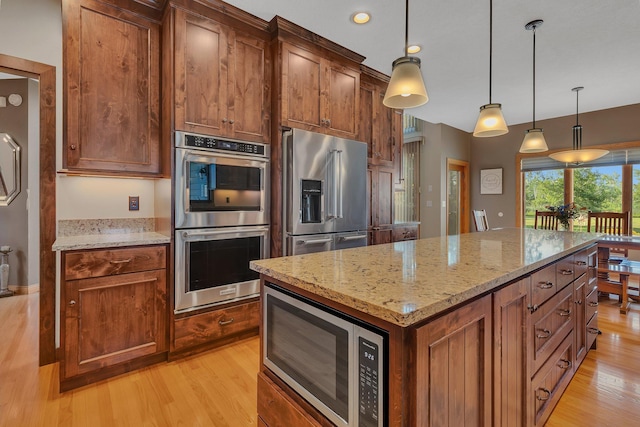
<point>46,75</point>
<point>457,197</point>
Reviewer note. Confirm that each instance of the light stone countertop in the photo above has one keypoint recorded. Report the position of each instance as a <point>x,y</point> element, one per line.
<point>407,282</point>
<point>106,233</point>
<point>96,241</point>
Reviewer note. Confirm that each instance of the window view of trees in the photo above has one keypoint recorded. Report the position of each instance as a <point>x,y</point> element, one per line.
<point>597,189</point>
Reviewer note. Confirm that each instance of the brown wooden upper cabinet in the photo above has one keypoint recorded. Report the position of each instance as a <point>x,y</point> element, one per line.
<point>379,126</point>
<point>221,80</point>
<point>112,88</point>
<point>318,94</point>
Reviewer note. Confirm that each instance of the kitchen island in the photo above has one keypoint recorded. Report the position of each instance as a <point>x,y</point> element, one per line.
<point>482,328</point>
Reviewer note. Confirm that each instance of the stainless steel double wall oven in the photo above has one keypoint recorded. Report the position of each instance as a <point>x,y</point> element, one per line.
<point>221,218</point>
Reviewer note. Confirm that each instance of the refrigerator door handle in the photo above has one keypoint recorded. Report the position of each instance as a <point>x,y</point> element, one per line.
<point>350,238</point>
<point>314,241</point>
<point>332,187</point>
<point>338,185</point>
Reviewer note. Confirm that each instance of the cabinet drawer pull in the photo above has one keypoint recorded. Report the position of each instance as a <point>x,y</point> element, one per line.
<point>224,120</point>
<point>546,391</point>
<point>593,303</point>
<point>566,272</point>
<point>231,122</point>
<point>564,313</point>
<point>225,322</point>
<point>72,302</point>
<point>545,333</point>
<point>581,263</point>
<point>593,331</point>
<point>579,302</point>
<point>545,285</point>
<point>120,261</point>
<point>564,363</point>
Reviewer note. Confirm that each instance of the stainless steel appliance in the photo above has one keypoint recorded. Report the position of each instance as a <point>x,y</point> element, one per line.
<point>325,192</point>
<point>221,219</point>
<point>220,182</point>
<point>336,363</point>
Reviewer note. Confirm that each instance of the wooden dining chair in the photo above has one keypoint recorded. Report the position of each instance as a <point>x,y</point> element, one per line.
<point>546,220</point>
<point>480,220</point>
<point>614,223</point>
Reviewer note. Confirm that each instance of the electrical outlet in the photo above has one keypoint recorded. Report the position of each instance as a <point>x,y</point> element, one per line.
<point>134,203</point>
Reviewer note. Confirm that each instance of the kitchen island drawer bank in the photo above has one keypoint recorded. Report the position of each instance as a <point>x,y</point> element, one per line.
<point>439,331</point>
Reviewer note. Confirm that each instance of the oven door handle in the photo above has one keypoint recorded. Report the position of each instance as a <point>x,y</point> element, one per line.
<point>222,232</point>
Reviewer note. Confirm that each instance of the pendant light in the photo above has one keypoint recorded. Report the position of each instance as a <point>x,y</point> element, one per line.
<point>534,141</point>
<point>406,88</point>
<point>490,121</point>
<point>578,155</point>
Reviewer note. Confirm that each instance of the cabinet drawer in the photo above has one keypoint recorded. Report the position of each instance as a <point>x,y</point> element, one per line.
<point>543,285</point>
<point>581,262</point>
<point>405,232</point>
<point>205,327</point>
<point>592,304</point>
<point>84,264</point>
<point>548,384</point>
<point>592,330</point>
<point>550,324</point>
<point>276,409</point>
<point>565,272</point>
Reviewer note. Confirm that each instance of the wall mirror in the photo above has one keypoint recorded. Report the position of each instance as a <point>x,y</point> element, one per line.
<point>9,169</point>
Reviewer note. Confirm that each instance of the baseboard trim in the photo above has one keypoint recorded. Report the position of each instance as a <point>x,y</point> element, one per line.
<point>24,290</point>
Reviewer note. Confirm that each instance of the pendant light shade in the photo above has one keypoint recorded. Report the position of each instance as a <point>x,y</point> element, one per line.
<point>534,141</point>
<point>406,88</point>
<point>578,155</point>
<point>490,121</point>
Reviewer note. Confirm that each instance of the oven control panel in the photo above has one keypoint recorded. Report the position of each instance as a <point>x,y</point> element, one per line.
<point>368,383</point>
<point>211,143</point>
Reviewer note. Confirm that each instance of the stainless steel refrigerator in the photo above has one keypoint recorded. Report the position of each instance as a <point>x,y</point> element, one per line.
<point>324,194</point>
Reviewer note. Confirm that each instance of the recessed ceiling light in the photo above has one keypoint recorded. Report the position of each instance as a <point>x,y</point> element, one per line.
<point>361,17</point>
<point>414,48</point>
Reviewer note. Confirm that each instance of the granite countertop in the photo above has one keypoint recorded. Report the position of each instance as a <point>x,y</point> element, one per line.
<point>107,233</point>
<point>406,282</point>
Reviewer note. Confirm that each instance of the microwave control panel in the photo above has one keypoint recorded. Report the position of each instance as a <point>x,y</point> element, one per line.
<point>369,384</point>
<point>210,143</point>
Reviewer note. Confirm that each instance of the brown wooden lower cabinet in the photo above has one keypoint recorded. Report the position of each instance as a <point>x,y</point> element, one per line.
<point>453,368</point>
<point>203,328</point>
<point>498,360</point>
<point>116,322</point>
<point>402,232</point>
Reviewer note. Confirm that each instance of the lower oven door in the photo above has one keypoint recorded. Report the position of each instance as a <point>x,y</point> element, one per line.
<point>212,265</point>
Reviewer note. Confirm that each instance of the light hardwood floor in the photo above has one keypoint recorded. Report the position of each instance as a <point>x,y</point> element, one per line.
<point>218,388</point>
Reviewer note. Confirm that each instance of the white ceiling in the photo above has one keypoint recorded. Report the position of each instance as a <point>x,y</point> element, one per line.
<point>590,43</point>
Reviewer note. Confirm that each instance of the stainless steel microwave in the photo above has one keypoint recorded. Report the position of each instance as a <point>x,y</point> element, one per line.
<point>335,362</point>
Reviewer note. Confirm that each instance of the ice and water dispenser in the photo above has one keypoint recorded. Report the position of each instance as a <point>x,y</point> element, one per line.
<point>311,202</point>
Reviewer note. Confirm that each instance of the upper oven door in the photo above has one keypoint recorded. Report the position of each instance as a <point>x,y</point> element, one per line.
<point>219,189</point>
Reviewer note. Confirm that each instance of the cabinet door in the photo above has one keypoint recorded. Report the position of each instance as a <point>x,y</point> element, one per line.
<point>113,319</point>
<point>201,75</point>
<point>580,327</point>
<point>453,368</point>
<point>301,81</point>
<point>367,119</point>
<point>385,140</point>
<point>341,99</point>
<point>112,69</point>
<point>511,323</point>
<point>249,73</point>
<point>381,198</point>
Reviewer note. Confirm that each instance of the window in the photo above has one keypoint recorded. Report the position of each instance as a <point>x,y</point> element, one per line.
<point>407,201</point>
<point>609,184</point>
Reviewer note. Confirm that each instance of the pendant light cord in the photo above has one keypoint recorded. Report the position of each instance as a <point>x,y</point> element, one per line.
<point>406,29</point>
<point>534,76</point>
<point>490,46</point>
